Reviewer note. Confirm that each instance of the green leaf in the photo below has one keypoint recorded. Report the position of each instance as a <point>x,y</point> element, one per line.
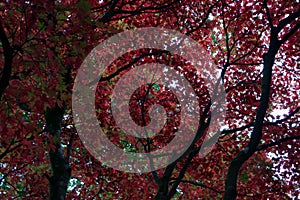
<point>25,117</point>
<point>244,177</point>
<point>214,38</point>
<point>156,87</point>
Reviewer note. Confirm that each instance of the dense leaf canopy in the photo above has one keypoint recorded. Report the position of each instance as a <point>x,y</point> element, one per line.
<point>253,44</point>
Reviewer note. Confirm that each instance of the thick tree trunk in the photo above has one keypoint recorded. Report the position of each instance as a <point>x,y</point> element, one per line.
<point>163,187</point>
<point>60,178</point>
<point>61,171</point>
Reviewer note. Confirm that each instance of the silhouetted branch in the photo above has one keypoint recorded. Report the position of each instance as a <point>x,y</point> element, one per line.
<point>278,142</point>
<point>8,58</point>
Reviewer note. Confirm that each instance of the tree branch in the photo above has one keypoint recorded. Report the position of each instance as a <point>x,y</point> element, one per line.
<point>278,142</point>
<point>265,3</point>
<point>288,20</point>
<point>69,147</point>
<point>256,135</point>
<point>61,171</point>
<point>196,183</point>
<point>265,124</point>
<point>290,33</point>
<point>8,58</point>
<point>9,149</point>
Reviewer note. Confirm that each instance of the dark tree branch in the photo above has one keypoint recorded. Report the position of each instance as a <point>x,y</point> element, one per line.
<point>287,20</point>
<point>265,4</point>
<point>189,153</point>
<point>225,27</point>
<point>245,154</point>
<point>196,183</point>
<point>108,15</point>
<point>8,59</point>
<point>228,131</point>
<point>149,9</point>
<point>181,174</point>
<point>192,150</point>
<point>113,11</point>
<point>9,149</point>
<point>127,66</point>
<point>290,33</point>
<point>61,171</point>
<point>256,135</point>
<point>208,12</point>
<point>278,142</point>
<point>69,147</point>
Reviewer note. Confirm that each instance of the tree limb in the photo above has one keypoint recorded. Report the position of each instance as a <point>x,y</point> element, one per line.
<point>196,183</point>
<point>8,58</point>
<point>278,142</point>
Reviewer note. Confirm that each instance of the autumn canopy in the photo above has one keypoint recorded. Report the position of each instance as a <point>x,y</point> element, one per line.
<point>251,47</point>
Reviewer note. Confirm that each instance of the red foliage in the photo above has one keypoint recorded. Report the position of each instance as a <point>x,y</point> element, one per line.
<point>51,39</point>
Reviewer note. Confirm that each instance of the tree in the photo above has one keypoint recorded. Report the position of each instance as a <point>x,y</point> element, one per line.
<point>254,44</point>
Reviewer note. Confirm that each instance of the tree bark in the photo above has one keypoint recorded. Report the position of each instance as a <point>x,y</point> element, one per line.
<point>61,171</point>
